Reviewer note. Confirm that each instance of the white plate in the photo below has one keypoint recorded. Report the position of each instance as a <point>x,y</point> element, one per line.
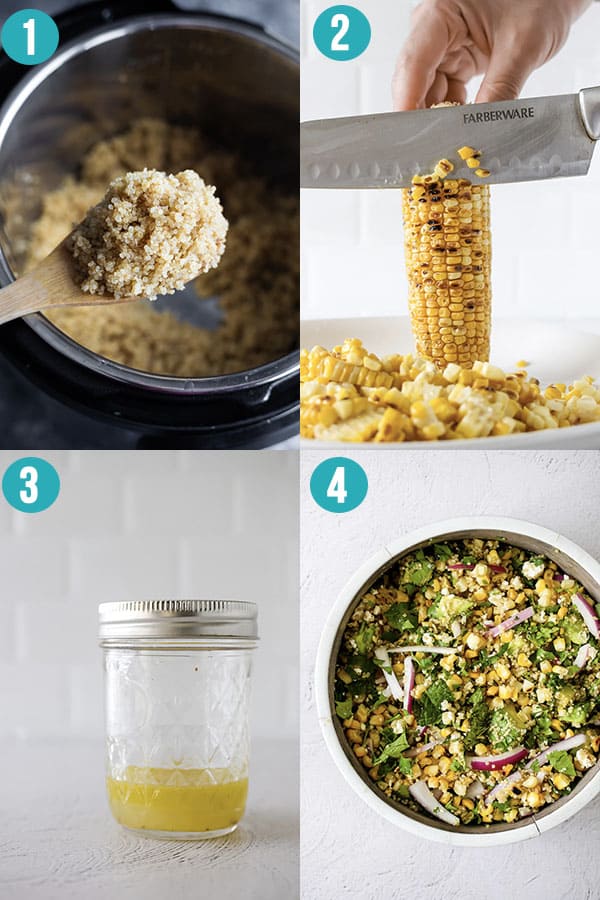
<point>554,354</point>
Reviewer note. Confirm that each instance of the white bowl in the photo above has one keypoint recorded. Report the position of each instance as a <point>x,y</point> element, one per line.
<point>571,558</point>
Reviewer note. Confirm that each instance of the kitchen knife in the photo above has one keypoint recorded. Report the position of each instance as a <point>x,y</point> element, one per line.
<point>519,140</point>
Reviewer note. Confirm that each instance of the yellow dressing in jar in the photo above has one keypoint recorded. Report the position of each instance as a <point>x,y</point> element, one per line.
<point>177,800</point>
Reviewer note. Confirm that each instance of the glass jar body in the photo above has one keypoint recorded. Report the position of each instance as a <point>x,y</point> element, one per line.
<point>177,744</point>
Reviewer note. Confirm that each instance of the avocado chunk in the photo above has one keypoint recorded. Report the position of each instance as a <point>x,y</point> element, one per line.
<point>448,606</point>
<point>575,629</point>
<point>507,727</point>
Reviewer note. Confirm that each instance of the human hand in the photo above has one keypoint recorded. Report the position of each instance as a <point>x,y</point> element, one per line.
<point>451,41</point>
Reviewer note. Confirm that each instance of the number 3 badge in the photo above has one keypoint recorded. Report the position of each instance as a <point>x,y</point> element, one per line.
<point>31,484</point>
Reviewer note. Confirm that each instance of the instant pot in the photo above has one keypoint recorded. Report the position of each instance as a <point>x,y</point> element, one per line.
<point>236,82</point>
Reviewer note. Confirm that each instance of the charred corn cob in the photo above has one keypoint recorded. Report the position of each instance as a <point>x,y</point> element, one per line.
<point>447,245</point>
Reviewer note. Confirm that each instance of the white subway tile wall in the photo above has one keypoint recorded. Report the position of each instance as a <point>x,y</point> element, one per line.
<point>545,234</point>
<point>145,524</point>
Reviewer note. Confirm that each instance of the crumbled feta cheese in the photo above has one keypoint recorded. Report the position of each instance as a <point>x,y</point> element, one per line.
<point>532,570</point>
<point>428,639</point>
<point>583,758</point>
<point>447,717</point>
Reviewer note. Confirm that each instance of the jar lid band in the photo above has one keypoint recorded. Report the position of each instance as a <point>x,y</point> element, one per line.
<point>178,619</point>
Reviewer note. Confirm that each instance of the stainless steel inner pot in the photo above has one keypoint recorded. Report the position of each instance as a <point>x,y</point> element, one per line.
<point>568,565</point>
<point>231,80</point>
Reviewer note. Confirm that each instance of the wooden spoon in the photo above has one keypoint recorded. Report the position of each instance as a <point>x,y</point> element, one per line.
<point>52,283</point>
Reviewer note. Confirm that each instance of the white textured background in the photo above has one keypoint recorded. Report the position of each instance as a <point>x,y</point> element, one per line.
<point>347,850</point>
<point>142,525</point>
<point>545,234</point>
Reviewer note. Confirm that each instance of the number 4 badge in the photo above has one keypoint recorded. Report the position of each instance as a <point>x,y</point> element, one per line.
<point>339,484</point>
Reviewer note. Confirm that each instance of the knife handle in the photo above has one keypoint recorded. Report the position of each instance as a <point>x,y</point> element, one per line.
<point>589,104</point>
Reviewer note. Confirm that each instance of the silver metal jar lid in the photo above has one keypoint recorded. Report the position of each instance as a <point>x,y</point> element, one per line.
<point>178,619</point>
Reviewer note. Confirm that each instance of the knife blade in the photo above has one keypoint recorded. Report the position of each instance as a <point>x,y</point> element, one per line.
<point>519,140</point>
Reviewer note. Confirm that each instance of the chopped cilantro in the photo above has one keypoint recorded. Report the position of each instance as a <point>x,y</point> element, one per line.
<point>502,807</point>
<point>381,698</point>
<point>343,708</point>
<point>541,633</point>
<point>442,551</point>
<point>486,659</point>
<point>479,717</point>
<point>541,732</point>
<point>562,762</point>
<point>405,765</point>
<point>430,707</point>
<point>394,749</point>
<point>419,571</point>
<point>364,638</point>
<point>458,764</point>
<point>401,618</point>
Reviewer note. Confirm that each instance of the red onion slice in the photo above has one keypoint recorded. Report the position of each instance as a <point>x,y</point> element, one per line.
<point>409,683</point>
<point>475,790</point>
<point>559,577</point>
<point>424,748</point>
<point>588,614</point>
<point>488,763</point>
<point>418,648</point>
<point>502,785</point>
<point>568,744</point>
<point>497,569</point>
<point>511,622</point>
<point>468,566</point>
<point>421,793</point>
<point>392,681</point>
<point>584,654</point>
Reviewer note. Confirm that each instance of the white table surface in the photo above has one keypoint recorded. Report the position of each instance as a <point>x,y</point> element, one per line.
<point>348,852</point>
<point>58,840</point>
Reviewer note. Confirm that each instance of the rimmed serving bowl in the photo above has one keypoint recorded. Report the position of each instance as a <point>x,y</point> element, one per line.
<point>571,558</point>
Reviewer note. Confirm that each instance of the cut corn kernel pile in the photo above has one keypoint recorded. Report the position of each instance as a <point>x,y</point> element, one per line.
<point>496,685</point>
<point>349,394</point>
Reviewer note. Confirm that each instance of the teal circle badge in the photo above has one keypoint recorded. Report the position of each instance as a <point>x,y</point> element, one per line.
<point>31,484</point>
<point>339,484</point>
<point>29,36</point>
<point>342,32</point>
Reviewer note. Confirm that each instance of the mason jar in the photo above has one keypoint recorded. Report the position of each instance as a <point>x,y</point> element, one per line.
<point>177,680</point>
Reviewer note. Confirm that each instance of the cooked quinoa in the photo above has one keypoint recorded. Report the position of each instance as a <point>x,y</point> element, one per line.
<point>256,280</point>
<point>467,682</point>
<point>149,235</point>
<point>349,394</point>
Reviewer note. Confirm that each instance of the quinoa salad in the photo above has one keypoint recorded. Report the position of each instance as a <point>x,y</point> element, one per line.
<point>467,682</point>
